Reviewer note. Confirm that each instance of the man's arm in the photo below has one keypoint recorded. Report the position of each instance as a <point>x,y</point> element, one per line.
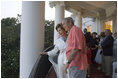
<point>71,57</point>
<point>73,54</point>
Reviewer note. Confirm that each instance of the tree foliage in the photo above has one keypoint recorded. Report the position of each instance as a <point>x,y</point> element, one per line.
<point>49,33</point>
<point>10,45</point>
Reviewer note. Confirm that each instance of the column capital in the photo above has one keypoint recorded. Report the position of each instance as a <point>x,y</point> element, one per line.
<point>54,3</point>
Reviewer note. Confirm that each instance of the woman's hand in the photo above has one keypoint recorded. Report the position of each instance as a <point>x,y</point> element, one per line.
<point>43,53</point>
<point>65,67</point>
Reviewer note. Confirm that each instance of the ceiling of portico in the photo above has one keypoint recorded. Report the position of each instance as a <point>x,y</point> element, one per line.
<point>101,4</point>
<point>89,8</point>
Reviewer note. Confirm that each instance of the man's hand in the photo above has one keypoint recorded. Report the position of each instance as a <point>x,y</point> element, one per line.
<point>65,67</point>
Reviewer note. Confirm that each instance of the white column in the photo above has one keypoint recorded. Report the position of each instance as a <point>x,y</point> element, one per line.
<point>78,20</point>
<point>114,27</point>
<point>99,25</point>
<point>59,16</point>
<point>32,35</point>
<point>102,25</point>
<point>97,20</point>
<point>116,24</point>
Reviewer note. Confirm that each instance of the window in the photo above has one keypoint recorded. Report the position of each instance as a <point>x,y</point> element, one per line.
<point>89,28</point>
<point>108,25</point>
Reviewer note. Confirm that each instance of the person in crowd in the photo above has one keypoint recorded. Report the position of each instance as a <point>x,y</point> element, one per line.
<point>107,46</point>
<point>94,46</point>
<point>98,38</point>
<point>114,57</point>
<point>59,46</point>
<point>87,36</point>
<point>88,59</point>
<point>76,65</point>
<point>115,36</point>
<point>99,54</point>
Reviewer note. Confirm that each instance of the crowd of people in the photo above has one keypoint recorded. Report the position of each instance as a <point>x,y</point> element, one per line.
<point>103,51</point>
<point>78,50</point>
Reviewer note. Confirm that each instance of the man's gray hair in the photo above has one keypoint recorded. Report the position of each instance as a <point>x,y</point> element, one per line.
<point>69,19</point>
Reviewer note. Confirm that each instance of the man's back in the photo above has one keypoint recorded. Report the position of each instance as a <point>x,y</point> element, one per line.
<point>107,45</point>
<point>76,40</point>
